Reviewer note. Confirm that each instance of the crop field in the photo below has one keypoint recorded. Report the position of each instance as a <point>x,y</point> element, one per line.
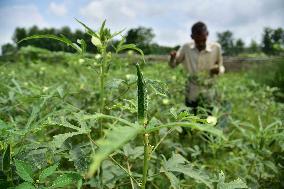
<point>104,121</point>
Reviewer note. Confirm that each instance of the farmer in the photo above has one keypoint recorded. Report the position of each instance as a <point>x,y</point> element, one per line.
<point>202,61</point>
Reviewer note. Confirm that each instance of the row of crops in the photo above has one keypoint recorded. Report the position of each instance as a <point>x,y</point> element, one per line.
<point>84,121</point>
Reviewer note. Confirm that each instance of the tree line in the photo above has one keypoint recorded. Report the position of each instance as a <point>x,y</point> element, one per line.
<point>272,42</point>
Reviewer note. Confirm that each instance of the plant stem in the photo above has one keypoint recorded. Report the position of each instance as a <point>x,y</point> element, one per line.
<point>131,181</point>
<point>102,101</point>
<point>102,87</point>
<point>146,159</point>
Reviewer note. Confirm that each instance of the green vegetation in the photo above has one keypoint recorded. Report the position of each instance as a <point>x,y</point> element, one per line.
<point>272,42</point>
<point>101,121</point>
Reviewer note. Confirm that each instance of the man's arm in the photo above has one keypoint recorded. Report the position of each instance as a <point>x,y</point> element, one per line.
<point>218,68</point>
<point>220,61</point>
<point>176,57</point>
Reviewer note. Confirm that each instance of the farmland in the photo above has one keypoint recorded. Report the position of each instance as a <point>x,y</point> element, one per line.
<point>50,121</point>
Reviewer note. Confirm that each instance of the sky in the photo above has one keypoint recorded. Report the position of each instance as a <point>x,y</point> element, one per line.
<point>170,20</point>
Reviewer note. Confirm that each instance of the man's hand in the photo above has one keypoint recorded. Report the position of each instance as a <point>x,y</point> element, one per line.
<point>173,54</point>
<point>172,60</point>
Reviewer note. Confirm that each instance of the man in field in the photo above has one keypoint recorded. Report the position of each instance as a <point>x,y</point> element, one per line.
<point>202,61</point>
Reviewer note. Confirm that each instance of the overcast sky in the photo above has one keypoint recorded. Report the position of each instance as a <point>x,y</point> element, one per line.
<point>170,20</point>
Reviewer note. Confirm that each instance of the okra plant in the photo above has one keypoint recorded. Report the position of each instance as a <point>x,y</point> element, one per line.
<point>114,131</point>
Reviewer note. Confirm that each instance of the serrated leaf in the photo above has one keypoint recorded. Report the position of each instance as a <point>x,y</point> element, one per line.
<point>133,153</point>
<point>108,146</point>
<point>79,118</point>
<point>201,127</point>
<point>230,185</point>
<point>25,185</point>
<point>47,172</point>
<point>175,183</point>
<point>79,158</point>
<point>58,140</point>
<point>65,180</point>
<point>158,87</point>
<point>63,122</point>
<point>24,170</point>
<point>142,97</point>
<point>177,163</point>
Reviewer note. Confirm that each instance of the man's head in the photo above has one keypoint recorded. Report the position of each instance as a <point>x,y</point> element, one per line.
<point>199,34</point>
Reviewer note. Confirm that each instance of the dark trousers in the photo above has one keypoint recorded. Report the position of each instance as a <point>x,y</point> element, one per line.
<point>192,104</point>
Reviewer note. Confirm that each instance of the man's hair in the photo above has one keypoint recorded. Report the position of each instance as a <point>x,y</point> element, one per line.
<point>198,28</point>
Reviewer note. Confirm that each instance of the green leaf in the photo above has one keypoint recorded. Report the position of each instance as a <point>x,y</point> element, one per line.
<point>62,39</point>
<point>89,30</point>
<point>121,42</point>
<point>60,91</point>
<point>25,185</point>
<point>83,45</point>
<point>201,127</point>
<point>64,123</point>
<point>117,33</point>
<point>65,180</point>
<point>24,170</point>
<point>175,183</point>
<point>47,172</point>
<point>230,185</point>
<point>122,47</point>
<point>157,86</point>
<point>96,41</point>
<point>133,153</point>
<point>79,158</point>
<point>79,184</point>
<point>102,29</point>
<point>58,140</point>
<point>142,97</point>
<point>177,163</point>
<point>4,126</point>
<point>6,159</point>
<point>113,140</point>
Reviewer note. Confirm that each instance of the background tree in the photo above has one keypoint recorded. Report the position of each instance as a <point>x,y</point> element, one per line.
<point>19,34</point>
<point>8,48</point>
<point>239,47</point>
<point>273,41</point>
<point>267,43</point>
<point>227,42</point>
<point>142,37</point>
<point>254,47</point>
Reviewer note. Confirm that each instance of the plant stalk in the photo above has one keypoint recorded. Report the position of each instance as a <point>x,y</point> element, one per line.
<point>102,88</point>
<point>146,160</point>
<point>102,103</point>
